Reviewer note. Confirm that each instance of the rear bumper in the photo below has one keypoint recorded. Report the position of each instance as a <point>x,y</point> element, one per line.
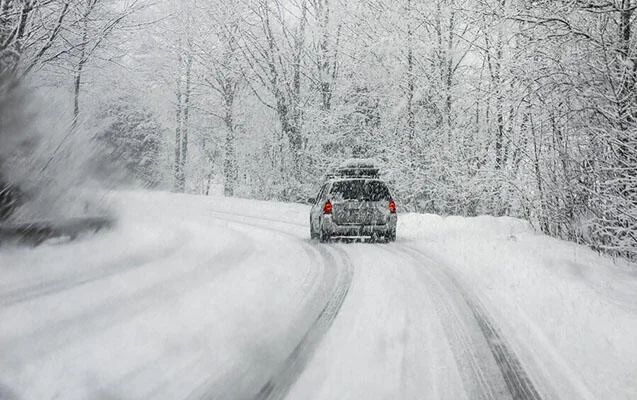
<point>332,229</point>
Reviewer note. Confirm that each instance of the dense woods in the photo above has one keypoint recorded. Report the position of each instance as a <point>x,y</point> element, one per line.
<point>503,107</point>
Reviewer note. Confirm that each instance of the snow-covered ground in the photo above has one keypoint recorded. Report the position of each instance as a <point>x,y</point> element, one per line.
<point>571,311</point>
<point>208,297</point>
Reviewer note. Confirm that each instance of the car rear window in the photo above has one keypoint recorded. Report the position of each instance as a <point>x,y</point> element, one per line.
<point>360,190</point>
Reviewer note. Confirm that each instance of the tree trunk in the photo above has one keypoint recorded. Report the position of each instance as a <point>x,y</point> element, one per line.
<point>542,217</point>
<point>77,85</point>
<point>178,175</point>
<point>449,75</point>
<point>77,79</point>
<point>230,162</point>
<point>294,126</point>
<point>411,116</point>
<point>628,74</point>
<point>326,76</point>
<point>185,124</point>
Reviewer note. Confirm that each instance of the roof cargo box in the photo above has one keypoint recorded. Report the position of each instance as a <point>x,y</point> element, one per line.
<point>358,167</point>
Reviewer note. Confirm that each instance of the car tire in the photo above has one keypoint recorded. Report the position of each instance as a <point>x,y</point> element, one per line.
<point>323,237</point>
<point>313,234</point>
<point>391,236</point>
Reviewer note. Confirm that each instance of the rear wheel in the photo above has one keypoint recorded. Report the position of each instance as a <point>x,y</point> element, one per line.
<point>391,236</point>
<point>313,234</point>
<point>323,237</point>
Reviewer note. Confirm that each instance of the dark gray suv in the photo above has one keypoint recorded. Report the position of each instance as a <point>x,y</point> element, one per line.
<point>355,203</point>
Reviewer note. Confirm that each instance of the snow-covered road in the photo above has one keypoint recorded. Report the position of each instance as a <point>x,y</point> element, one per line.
<point>210,298</point>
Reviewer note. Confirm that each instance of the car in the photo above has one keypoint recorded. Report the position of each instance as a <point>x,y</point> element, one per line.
<point>353,202</point>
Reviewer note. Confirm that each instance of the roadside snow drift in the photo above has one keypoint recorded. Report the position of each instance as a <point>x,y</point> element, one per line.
<point>572,311</point>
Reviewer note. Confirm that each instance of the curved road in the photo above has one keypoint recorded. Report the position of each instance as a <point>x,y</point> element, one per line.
<point>184,301</point>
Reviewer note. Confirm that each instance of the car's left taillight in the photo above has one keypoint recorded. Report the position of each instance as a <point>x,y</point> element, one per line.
<point>327,208</point>
<point>392,207</point>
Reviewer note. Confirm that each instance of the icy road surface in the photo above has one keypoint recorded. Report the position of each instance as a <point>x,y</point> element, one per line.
<point>210,298</point>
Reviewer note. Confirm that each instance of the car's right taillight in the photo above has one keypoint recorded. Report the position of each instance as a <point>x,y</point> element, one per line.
<point>327,208</point>
<point>392,207</point>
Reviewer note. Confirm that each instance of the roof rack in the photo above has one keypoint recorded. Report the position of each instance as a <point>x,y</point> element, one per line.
<point>330,175</point>
<point>357,168</point>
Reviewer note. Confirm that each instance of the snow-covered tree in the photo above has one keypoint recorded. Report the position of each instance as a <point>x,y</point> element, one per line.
<point>132,140</point>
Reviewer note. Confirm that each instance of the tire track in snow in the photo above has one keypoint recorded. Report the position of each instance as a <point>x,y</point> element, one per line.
<point>281,382</point>
<point>518,383</point>
<point>53,337</point>
<point>474,362</point>
<point>338,274</point>
<point>31,291</point>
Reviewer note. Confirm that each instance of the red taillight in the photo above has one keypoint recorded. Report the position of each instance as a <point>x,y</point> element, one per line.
<point>392,207</point>
<point>327,208</point>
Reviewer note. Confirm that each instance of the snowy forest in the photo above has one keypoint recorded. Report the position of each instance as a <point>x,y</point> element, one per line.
<point>524,108</point>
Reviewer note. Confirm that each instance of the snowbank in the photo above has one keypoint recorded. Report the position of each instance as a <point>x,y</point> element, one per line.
<point>557,298</point>
<point>426,226</point>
